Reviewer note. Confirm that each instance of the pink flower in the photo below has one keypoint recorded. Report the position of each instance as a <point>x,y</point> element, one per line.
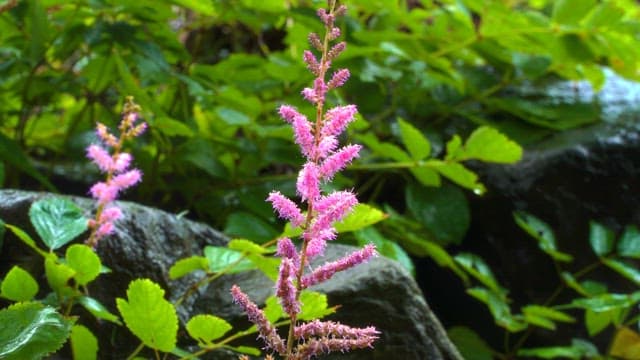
<point>265,329</point>
<point>126,180</point>
<point>338,161</point>
<point>337,119</point>
<point>339,78</point>
<point>103,192</point>
<point>308,184</point>
<point>285,289</point>
<point>312,62</point>
<point>303,134</point>
<point>110,214</point>
<point>326,271</point>
<point>121,162</point>
<point>286,208</point>
<point>286,249</point>
<point>327,145</point>
<point>100,157</point>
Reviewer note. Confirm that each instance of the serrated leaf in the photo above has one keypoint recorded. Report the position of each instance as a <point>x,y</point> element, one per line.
<point>454,148</point>
<point>58,276</point>
<point>460,175</point>
<point>227,260</point>
<point>314,306</point>
<point>34,331</point>
<point>84,261</point>
<point>185,266</point>
<point>272,309</point>
<point>267,264</point>
<point>97,309</point>
<point>206,328</point>
<point>601,238</point>
<point>18,285</point>
<point>629,243</point>
<point>57,221</point>
<point>416,143</point>
<point>628,271</point>
<point>363,215</point>
<point>149,316</point>
<point>488,144</point>
<point>542,232</point>
<point>84,345</point>
<point>246,246</point>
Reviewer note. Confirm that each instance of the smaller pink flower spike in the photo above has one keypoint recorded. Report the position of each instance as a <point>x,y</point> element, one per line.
<point>337,119</point>
<point>286,208</point>
<point>326,271</point>
<point>285,289</point>
<point>338,161</point>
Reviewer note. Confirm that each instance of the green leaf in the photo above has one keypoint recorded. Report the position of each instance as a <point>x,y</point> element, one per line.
<point>97,309</point>
<point>267,264</point>
<point>272,309</point>
<point>607,302</point>
<point>454,148</point>
<point>246,350</point>
<point>84,261</point>
<point>443,211</point>
<point>542,232</point>
<point>629,243</point>
<point>416,143</point>
<point>35,331</point>
<point>221,259</point>
<point>58,276</point>
<point>202,7</point>
<point>470,344</point>
<point>84,344</point>
<point>314,306</point>
<point>624,269</point>
<point>246,225</point>
<point>601,238</point>
<point>477,268</point>
<point>363,215</point>
<point>488,144</point>
<point>597,321</point>
<point>460,175</point>
<point>579,349</point>
<point>171,127</point>
<point>206,328</point>
<point>232,116</point>
<point>499,309</point>
<point>18,285</point>
<point>626,344</point>
<point>149,316</point>
<point>544,316</point>
<point>25,238</point>
<point>570,12</point>
<point>185,266</point>
<point>57,221</point>
<point>426,176</point>
<point>246,246</point>
<point>384,246</point>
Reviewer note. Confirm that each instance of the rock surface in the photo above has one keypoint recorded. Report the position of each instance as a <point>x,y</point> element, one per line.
<point>148,241</point>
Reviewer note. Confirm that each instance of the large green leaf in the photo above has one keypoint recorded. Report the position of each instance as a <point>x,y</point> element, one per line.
<point>363,215</point>
<point>443,211</point>
<point>18,285</point>
<point>84,344</point>
<point>227,260</point>
<point>149,316</point>
<point>57,221</point>
<point>206,328</point>
<point>570,12</point>
<point>459,174</point>
<point>629,243</point>
<point>314,306</point>
<point>416,143</point>
<point>31,331</point>
<point>185,266</point>
<point>601,238</point>
<point>488,144</point>
<point>84,261</point>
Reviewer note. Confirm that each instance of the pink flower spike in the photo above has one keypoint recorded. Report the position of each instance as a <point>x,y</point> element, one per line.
<point>122,162</point>
<point>286,249</point>
<point>128,179</point>
<point>338,161</point>
<point>103,192</point>
<point>336,50</point>
<point>316,246</point>
<point>314,40</point>
<point>288,113</point>
<point>327,145</point>
<point>105,135</point>
<point>326,271</point>
<point>286,208</point>
<point>308,183</point>
<point>266,330</point>
<point>312,62</point>
<point>110,214</point>
<point>303,134</point>
<point>335,206</point>
<point>337,119</point>
<point>285,290</point>
<point>339,78</point>
<point>100,157</point>
<point>104,229</point>
<point>335,33</point>
<point>317,328</point>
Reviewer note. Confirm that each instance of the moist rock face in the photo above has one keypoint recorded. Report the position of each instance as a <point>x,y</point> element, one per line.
<point>147,242</point>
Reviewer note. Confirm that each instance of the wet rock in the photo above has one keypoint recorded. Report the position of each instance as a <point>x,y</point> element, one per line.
<point>148,241</point>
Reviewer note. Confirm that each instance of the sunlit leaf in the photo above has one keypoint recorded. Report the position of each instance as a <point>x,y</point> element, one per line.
<point>314,306</point>
<point>97,309</point>
<point>227,260</point>
<point>416,143</point>
<point>490,145</point>
<point>185,266</point>
<point>84,344</point>
<point>18,285</point>
<point>84,261</point>
<point>206,328</point>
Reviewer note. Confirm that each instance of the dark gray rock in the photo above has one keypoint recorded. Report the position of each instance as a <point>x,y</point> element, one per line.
<point>148,241</point>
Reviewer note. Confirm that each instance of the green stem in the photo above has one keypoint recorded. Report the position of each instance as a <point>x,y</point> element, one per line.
<point>136,351</point>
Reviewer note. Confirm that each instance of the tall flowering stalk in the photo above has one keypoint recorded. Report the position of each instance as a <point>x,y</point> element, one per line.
<point>115,163</point>
<point>318,143</point>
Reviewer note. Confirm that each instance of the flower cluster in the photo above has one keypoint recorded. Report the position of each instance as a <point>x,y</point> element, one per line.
<point>318,142</point>
<point>115,163</point>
